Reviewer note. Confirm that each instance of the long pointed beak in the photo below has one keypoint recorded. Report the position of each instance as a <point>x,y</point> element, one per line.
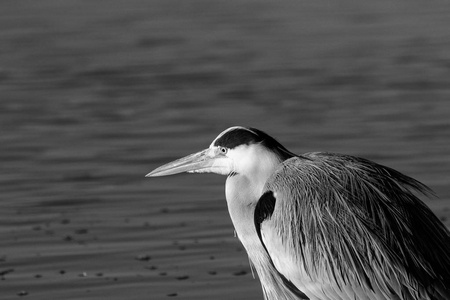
<point>197,162</point>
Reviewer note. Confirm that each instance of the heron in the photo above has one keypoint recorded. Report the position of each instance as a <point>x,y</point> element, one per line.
<point>326,226</point>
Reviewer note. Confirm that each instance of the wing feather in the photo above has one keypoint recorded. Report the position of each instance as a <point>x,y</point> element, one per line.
<point>344,227</point>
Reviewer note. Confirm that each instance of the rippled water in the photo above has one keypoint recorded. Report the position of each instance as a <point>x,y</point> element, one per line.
<point>95,94</point>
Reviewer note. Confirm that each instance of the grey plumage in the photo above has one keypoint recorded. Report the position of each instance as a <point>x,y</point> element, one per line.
<point>349,221</point>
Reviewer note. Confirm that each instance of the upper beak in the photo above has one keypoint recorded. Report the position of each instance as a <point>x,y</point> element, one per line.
<point>197,162</point>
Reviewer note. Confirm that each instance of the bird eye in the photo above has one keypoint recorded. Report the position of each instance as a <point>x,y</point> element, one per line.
<point>223,150</point>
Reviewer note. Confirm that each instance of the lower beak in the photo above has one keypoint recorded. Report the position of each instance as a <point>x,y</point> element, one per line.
<point>197,162</point>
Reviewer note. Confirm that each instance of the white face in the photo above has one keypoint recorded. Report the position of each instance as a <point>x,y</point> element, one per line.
<point>249,160</point>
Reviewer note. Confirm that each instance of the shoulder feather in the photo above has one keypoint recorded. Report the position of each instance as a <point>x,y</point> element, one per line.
<point>353,221</point>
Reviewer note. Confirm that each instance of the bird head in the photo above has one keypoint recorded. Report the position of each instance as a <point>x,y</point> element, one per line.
<point>234,151</point>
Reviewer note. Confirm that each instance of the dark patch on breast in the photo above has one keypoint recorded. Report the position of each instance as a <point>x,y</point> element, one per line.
<point>264,210</point>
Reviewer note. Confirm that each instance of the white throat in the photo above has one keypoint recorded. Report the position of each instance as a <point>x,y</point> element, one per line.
<point>245,187</point>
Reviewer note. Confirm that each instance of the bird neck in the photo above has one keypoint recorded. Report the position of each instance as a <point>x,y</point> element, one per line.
<point>243,190</point>
<point>246,184</point>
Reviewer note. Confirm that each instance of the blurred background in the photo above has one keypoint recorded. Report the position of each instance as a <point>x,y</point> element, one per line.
<point>95,94</point>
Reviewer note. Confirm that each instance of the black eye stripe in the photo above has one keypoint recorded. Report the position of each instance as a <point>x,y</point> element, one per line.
<point>236,137</point>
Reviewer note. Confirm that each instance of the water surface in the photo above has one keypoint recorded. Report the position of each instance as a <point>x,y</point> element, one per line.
<point>95,94</point>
